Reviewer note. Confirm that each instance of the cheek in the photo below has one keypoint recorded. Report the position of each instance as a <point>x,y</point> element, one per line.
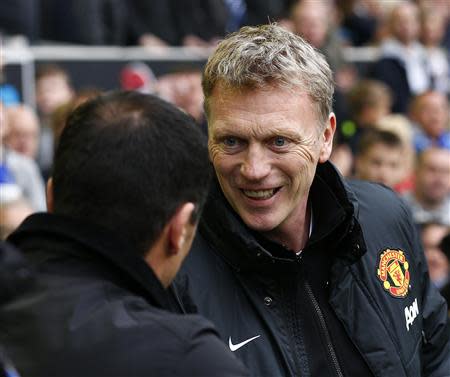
<point>214,152</point>
<point>303,161</point>
<point>223,164</point>
<point>301,168</point>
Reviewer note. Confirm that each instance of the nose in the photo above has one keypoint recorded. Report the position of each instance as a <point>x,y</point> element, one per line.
<point>256,164</point>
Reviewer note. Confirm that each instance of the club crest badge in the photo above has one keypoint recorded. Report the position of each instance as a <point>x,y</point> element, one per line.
<point>393,271</point>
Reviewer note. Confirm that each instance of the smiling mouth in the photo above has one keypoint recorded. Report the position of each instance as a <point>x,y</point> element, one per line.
<point>260,194</point>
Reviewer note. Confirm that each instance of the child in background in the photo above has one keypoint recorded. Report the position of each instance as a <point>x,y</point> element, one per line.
<point>430,113</point>
<point>379,158</point>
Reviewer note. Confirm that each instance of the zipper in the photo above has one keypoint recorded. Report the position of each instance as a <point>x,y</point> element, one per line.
<point>325,332</point>
<point>298,364</point>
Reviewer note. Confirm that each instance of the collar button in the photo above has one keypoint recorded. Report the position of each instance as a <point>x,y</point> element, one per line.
<point>268,301</point>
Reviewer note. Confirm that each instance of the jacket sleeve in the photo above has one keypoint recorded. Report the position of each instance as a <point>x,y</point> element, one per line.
<point>206,355</point>
<point>435,326</point>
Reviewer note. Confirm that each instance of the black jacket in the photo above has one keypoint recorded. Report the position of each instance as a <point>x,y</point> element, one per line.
<point>312,314</point>
<point>392,72</point>
<point>98,310</point>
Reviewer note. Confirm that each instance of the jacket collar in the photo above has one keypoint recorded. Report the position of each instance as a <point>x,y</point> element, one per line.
<point>116,254</point>
<point>334,207</point>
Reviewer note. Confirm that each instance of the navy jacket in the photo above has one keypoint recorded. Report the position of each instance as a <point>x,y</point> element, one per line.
<point>361,282</point>
<point>99,310</point>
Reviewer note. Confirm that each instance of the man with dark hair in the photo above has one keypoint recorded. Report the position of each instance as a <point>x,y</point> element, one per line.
<point>379,158</point>
<point>430,198</point>
<point>130,178</point>
<point>303,274</point>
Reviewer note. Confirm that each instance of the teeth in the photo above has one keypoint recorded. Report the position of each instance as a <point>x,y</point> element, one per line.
<point>259,194</point>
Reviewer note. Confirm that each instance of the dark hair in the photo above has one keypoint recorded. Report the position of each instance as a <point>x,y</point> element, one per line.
<point>445,245</point>
<point>368,93</point>
<point>127,161</point>
<point>374,136</point>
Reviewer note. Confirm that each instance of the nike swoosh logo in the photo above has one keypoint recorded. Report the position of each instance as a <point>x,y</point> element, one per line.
<point>235,347</point>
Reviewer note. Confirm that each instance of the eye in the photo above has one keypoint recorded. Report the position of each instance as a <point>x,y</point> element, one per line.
<point>230,141</point>
<point>279,141</point>
<point>232,144</point>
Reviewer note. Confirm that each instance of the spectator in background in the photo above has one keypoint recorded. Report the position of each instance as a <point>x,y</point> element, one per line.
<point>59,116</point>
<point>430,113</point>
<point>92,22</point>
<point>369,101</point>
<point>432,235</point>
<point>53,89</point>
<point>21,17</point>
<point>403,62</point>
<point>430,198</point>
<point>433,25</point>
<point>401,126</point>
<point>201,23</point>
<point>23,170</point>
<point>315,21</point>
<point>442,7</point>
<point>184,89</point>
<point>379,158</point>
<point>260,12</point>
<point>14,208</point>
<point>360,19</point>
<point>154,23</point>
<point>23,130</point>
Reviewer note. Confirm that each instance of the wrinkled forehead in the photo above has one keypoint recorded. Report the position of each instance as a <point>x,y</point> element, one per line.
<point>223,91</point>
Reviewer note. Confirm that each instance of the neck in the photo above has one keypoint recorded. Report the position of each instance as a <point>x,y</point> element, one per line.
<point>294,234</point>
<point>155,258</point>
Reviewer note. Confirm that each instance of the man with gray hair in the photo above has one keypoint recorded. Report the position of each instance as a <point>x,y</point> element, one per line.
<point>302,273</point>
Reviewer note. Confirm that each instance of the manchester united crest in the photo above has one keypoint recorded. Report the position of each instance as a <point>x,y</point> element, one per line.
<point>393,271</point>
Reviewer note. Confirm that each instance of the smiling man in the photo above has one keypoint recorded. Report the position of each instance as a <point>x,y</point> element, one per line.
<point>302,273</point>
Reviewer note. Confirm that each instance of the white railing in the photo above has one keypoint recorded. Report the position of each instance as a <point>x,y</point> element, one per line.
<point>26,56</point>
<point>22,54</point>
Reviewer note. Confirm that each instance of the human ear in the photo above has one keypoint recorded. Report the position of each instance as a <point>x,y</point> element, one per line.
<point>49,195</point>
<point>327,135</point>
<point>181,230</point>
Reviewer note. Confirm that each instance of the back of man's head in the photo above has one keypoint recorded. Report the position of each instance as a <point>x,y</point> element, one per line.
<point>127,161</point>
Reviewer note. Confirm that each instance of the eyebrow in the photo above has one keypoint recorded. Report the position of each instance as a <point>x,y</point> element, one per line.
<point>228,130</point>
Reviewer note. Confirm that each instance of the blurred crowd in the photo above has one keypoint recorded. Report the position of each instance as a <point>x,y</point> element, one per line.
<point>393,114</point>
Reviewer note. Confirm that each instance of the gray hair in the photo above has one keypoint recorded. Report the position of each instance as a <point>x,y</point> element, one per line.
<point>257,57</point>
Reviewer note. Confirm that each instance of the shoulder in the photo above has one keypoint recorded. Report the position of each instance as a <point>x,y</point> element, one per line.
<point>377,198</point>
<point>183,345</point>
<point>383,215</point>
<point>136,338</point>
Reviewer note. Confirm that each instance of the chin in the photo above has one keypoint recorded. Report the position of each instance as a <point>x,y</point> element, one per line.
<point>259,224</point>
